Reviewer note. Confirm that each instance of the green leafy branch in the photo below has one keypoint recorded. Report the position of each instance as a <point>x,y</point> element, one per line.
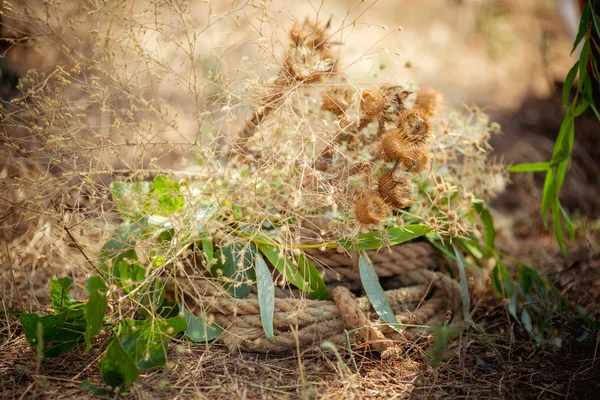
<point>556,168</point>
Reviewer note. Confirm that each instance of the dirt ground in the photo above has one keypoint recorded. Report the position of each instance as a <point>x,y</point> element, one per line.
<point>517,53</point>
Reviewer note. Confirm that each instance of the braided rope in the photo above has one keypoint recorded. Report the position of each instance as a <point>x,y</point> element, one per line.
<point>425,295</point>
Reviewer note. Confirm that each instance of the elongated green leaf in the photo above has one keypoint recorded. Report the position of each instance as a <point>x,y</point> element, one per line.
<point>266,295</point>
<point>375,240</point>
<point>117,367</point>
<point>530,167</point>
<point>568,222</point>
<point>464,285</point>
<point>569,83</point>
<point>146,341</point>
<point>284,264</point>
<point>235,268</point>
<point>581,108</point>
<point>59,333</point>
<point>207,248</point>
<point>95,308</point>
<point>374,291</point>
<point>59,293</point>
<point>583,25</point>
<point>312,276</point>
<point>583,63</point>
<point>526,320</point>
<point>489,229</point>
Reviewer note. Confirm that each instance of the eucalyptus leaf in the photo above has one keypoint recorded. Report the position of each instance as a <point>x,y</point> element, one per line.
<point>235,268</point>
<point>283,264</point>
<point>377,240</point>
<point>375,292</point>
<point>266,295</point>
<point>313,277</point>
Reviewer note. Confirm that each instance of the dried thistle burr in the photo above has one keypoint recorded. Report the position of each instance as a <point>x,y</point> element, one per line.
<point>309,34</point>
<point>370,209</point>
<point>395,190</point>
<point>414,126</point>
<point>429,101</point>
<point>337,100</point>
<point>373,103</point>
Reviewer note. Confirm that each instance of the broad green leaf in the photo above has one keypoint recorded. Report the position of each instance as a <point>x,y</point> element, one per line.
<point>284,264</point>
<point>95,308</point>
<point>59,293</point>
<point>377,240</point>
<point>152,296</point>
<point>489,229</point>
<point>146,341</point>
<point>234,268</point>
<point>199,331</point>
<point>59,332</point>
<point>569,83</point>
<point>530,167</point>
<point>166,197</point>
<point>120,245</point>
<point>130,198</point>
<point>126,273</point>
<point>374,291</point>
<point>266,295</point>
<point>117,368</point>
<point>97,390</point>
<point>312,276</point>
<point>464,285</point>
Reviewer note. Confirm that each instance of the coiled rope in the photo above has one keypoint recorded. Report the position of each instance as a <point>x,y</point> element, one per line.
<point>424,295</point>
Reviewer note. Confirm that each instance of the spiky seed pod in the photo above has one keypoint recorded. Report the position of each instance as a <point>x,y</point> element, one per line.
<point>429,101</point>
<point>394,190</point>
<point>309,34</point>
<point>308,65</point>
<point>418,159</point>
<point>370,208</point>
<point>414,126</point>
<point>373,103</point>
<point>337,100</point>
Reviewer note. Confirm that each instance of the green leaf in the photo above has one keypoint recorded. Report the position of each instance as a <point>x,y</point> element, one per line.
<point>568,222</point>
<point>489,232</point>
<point>285,265</point>
<point>313,277</point>
<point>266,295</point>
<point>464,285</point>
<point>199,331</point>
<point>526,320</point>
<point>130,198</point>
<point>581,108</point>
<point>59,293</point>
<point>167,197</point>
<point>120,245</point>
<point>566,90</point>
<point>583,63</point>
<point>117,368</point>
<point>530,167</point>
<point>152,296</point>
<point>234,268</point>
<point>374,291</point>
<point>95,308</point>
<point>59,333</point>
<point>583,25</point>
<point>207,248</point>
<point>126,273</point>
<point>146,341</point>
<point>377,240</point>
<point>97,390</point>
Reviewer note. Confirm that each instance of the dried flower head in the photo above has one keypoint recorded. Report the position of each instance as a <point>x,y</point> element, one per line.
<point>370,208</point>
<point>337,100</point>
<point>429,101</point>
<point>414,126</point>
<point>395,190</point>
<point>373,103</point>
<point>309,34</point>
